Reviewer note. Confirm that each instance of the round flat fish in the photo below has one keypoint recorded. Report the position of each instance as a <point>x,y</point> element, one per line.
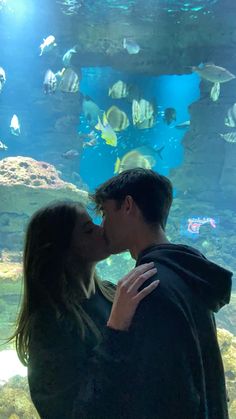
<point>117,118</point>
<point>134,159</point>
<point>69,81</point>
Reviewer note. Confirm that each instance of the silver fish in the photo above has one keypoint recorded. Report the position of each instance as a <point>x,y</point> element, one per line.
<point>183,125</point>
<point>47,45</point>
<point>15,125</point>
<point>2,78</point>
<point>131,46</point>
<point>92,140</point>
<point>230,119</point>
<point>68,55</point>
<point>230,137</point>
<point>215,91</point>
<point>50,82</point>
<point>69,82</point>
<point>91,110</point>
<point>70,154</point>
<point>142,110</point>
<point>214,73</point>
<point>119,90</point>
<point>3,146</point>
<point>2,75</point>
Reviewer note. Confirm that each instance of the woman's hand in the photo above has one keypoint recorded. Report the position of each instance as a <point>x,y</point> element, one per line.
<point>127,297</point>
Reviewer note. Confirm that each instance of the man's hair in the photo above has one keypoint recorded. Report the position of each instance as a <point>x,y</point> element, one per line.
<point>152,193</point>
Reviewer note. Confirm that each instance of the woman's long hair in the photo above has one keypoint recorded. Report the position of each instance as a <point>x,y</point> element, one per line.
<point>45,271</point>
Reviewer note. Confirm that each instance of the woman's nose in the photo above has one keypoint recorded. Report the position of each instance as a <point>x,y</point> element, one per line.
<point>99,228</point>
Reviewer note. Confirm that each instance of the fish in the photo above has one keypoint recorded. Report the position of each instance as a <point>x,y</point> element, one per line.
<point>47,45</point>
<point>194,224</point>
<point>147,149</point>
<point>132,159</point>
<point>213,73</point>
<point>69,82</point>
<point>91,110</point>
<point>93,140</point>
<point>3,146</point>
<point>119,90</point>
<point>215,91</point>
<point>183,125</point>
<point>230,119</point>
<point>15,125</point>
<point>142,110</point>
<point>117,118</point>
<point>230,137</point>
<point>49,83</point>
<point>169,115</point>
<point>70,154</point>
<point>147,123</point>
<point>2,78</point>
<point>108,134</point>
<point>131,46</point>
<point>68,55</point>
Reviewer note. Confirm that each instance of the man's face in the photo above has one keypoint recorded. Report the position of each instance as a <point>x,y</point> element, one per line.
<point>115,228</point>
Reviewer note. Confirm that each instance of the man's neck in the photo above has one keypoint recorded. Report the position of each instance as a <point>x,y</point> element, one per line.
<point>146,240</point>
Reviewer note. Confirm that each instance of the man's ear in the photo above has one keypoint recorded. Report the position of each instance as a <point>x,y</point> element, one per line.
<point>129,204</point>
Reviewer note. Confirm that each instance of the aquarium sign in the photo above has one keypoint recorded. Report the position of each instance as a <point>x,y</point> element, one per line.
<point>191,227</point>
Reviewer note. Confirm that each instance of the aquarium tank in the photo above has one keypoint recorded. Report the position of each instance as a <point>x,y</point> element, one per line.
<point>91,88</point>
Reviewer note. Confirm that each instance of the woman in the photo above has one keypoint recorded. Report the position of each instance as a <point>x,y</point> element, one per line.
<point>65,307</point>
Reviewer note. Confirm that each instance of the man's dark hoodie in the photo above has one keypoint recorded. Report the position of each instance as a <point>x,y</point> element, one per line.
<point>168,365</point>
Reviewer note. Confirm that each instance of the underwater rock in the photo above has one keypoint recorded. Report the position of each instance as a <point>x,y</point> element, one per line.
<point>27,184</point>
<point>169,40</point>
<point>209,168</point>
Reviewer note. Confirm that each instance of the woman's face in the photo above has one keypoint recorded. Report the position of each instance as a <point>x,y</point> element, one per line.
<point>87,239</point>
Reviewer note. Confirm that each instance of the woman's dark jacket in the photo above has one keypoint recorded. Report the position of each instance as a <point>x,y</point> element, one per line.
<point>58,357</point>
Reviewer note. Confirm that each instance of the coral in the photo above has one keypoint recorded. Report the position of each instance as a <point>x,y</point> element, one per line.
<point>27,171</point>
<point>27,184</point>
<point>227,342</point>
<point>232,410</point>
<point>15,401</point>
<point>10,271</point>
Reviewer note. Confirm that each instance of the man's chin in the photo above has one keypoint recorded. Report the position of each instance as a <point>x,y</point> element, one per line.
<point>104,256</point>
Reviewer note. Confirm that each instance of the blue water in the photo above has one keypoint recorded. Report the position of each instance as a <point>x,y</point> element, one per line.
<point>169,91</point>
<point>22,32</point>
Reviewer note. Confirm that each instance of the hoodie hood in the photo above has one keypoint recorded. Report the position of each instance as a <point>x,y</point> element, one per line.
<point>212,282</point>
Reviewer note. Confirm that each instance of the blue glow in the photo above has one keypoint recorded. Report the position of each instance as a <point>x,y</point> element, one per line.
<point>18,9</point>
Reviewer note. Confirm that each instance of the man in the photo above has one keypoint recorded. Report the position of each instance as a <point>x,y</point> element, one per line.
<point>168,364</point>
